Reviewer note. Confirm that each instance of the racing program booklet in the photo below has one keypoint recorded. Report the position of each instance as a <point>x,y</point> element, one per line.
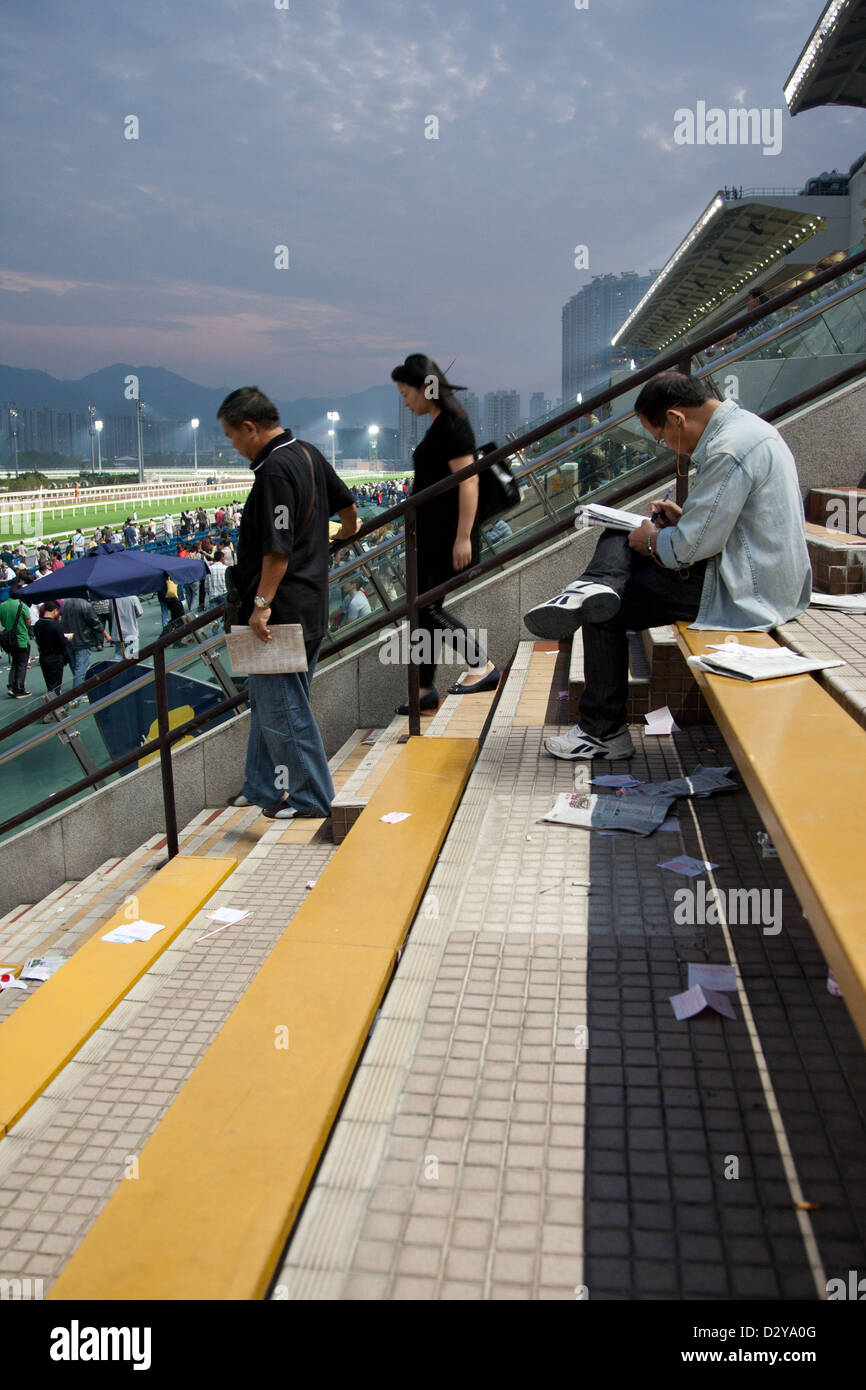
<point>250,656</point>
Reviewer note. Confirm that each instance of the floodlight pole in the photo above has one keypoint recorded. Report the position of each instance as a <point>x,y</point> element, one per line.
<point>139,407</point>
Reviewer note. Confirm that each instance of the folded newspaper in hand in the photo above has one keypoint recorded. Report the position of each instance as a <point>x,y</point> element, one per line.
<point>596,514</point>
<point>757,663</point>
<point>250,656</point>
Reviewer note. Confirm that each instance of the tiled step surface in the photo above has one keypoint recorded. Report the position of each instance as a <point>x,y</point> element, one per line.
<point>65,919</point>
<point>458,716</point>
<point>821,632</point>
<point>486,1150</point>
<point>70,1151</point>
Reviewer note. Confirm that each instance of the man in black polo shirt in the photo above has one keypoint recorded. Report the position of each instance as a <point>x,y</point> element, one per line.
<point>282,571</point>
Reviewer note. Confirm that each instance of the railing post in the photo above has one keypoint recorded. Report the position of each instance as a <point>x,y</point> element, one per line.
<point>165,763</point>
<point>685,366</point>
<point>411,560</point>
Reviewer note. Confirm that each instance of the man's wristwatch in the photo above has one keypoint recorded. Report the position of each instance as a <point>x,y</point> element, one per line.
<point>261,602</point>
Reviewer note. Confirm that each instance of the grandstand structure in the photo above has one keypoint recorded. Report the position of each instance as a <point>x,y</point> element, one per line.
<point>437,1059</point>
<point>470,1085</point>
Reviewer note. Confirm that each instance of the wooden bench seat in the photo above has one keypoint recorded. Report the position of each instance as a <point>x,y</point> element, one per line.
<point>803,759</point>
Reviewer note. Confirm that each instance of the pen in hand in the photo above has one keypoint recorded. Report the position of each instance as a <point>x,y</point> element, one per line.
<point>659,518</point>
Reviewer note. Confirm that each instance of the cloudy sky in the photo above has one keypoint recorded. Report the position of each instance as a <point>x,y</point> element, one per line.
<point>306,126</point>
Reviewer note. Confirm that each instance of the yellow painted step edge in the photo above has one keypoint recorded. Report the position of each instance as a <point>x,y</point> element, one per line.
<point>52,1025</point>
<point>223,1176</point>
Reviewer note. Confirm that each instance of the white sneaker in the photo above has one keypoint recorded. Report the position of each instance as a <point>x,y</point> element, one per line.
<point>584,601</point>
<point>575,744</point>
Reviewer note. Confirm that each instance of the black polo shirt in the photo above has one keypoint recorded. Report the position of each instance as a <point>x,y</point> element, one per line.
<point>273,521</point>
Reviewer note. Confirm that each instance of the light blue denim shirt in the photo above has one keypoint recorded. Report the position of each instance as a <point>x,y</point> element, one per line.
<point>744,515</point>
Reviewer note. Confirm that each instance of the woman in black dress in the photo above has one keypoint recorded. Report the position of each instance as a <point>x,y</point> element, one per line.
<point>448,533</point>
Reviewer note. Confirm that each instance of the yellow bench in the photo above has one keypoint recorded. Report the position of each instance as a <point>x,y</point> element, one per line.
<point>47,1030</point>
<point>803,759</point>
<point>222,1178</point>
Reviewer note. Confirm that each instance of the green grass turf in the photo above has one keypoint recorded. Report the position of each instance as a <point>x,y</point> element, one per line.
<point>61,525</point>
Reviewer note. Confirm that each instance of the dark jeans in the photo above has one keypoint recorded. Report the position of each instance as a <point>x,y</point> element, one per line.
<point>651,597</point>
<point>285,752</point>
<point>18,668</point>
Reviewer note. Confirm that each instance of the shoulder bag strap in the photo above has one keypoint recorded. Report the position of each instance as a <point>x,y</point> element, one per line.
<point>309,459</point>
<point>309,513</point>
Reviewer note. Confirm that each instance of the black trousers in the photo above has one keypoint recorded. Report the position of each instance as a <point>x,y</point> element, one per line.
<point>52,672</point>
<point>650,597</point>
<point>18,668</point>
<point>467,648</point>
<point>434,567</point>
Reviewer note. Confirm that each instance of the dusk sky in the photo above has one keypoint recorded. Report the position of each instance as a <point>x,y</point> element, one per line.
<point>305,127</point>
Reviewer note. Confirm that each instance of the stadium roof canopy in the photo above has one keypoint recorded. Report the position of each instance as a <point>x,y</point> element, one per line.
<point>734,240</point>
<point>831,70</point>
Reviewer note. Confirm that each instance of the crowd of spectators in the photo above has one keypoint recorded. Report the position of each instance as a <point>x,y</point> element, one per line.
<point>381,494</point>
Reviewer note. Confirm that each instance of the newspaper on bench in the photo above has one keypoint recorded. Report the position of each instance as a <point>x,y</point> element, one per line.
<point>757,663</point>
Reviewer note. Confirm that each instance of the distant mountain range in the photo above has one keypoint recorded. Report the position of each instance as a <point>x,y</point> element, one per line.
<point>172,397</point>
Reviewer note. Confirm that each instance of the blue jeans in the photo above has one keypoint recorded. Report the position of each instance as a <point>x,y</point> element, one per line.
<point>285,752</point>
<point>80,661</point>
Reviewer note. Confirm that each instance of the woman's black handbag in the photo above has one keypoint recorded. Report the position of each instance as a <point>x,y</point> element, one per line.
<point>498,490</point>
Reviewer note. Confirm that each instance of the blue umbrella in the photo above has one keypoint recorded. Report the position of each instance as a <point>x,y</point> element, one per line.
<point>114,574</point>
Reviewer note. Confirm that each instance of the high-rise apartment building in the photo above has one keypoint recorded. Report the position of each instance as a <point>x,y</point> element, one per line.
<point>412,429</point>
<point>539,406</point>
<point>472,406</point>
<point>501,415</point>
<point>589,321</point>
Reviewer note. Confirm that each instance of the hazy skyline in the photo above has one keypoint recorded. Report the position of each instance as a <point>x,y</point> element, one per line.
<point>260,127</point>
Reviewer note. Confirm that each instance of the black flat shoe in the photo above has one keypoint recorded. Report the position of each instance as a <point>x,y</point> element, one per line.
<point>489,683</point>
<point>428,702</point>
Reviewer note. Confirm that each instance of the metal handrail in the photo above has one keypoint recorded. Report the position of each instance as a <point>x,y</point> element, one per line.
<point>414,601</point>
<point>105,702</point>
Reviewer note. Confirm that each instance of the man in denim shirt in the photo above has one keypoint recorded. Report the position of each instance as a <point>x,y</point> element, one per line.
<point>734,557</point>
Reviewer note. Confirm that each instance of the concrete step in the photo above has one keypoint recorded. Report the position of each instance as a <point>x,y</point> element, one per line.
<point>658,676</point>
<point>837,559</point>
<point>840,508</point>
<point>671,681</point>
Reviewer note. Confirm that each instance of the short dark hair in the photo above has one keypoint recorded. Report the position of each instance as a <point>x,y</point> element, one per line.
<point>248,403</point>
<point>667,391</point>
<point>51,605</point>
